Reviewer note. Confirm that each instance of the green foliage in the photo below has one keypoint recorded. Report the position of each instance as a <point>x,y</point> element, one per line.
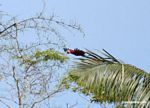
<point>50,55</point>
<point>43,56</point>
<point>106,79</point>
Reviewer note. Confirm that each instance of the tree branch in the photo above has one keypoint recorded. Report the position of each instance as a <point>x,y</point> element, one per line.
<point>18,89</point>
<point>13,25</point>
<point>48,96</point>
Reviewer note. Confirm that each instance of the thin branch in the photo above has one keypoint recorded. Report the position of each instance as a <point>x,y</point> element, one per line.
<point>13,25</point>
<point>5,104</point>
<point>48,96</point>
<point>40,18</point>
<point>18,89</point>
<point>71,106</point>
<point>8,99</point>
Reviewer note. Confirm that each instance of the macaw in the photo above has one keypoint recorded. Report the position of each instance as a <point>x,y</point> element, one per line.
<point>76,52</point>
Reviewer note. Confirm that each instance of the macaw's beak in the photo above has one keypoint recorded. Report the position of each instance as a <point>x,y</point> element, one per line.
<point>65,49</point>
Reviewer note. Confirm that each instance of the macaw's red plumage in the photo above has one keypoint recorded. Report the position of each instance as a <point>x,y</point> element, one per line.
<point>75,52</point>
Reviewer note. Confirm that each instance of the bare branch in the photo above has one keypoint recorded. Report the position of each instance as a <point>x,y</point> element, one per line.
<point>72,106</point>
<point>13,25</point>
<point>5,104</point>
<point>18,88</point>
<point>48,96</point>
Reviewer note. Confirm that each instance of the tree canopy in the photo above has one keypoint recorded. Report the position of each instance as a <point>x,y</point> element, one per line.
<point>31,59</point>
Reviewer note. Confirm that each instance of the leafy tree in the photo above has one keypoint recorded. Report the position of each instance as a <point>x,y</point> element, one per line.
<point>31,59</point>
<point>108,80</point>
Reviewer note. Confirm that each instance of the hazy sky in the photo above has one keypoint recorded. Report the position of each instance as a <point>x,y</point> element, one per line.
<point>122,27</point>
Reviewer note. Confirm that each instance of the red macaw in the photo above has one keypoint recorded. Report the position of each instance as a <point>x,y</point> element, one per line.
<point>75,52</point>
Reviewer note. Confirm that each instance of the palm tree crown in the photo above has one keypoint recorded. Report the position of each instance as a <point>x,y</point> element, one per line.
<point>107,79</point>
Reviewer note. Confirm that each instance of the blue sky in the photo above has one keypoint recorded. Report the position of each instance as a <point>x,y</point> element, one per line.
<point>122,27</point>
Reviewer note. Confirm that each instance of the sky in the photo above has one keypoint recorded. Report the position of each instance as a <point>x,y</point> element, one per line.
<point>122,27</point>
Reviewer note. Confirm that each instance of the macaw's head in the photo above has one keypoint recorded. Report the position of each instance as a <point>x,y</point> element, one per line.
<point>65,49</point>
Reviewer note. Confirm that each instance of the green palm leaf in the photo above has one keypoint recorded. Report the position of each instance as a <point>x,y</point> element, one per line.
<point>106,79</point>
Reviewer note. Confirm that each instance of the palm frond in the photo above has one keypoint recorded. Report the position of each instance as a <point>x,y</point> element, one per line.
<point>106,79</point>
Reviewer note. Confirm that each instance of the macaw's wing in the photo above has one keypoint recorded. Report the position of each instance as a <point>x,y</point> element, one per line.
<point>78,52</point>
